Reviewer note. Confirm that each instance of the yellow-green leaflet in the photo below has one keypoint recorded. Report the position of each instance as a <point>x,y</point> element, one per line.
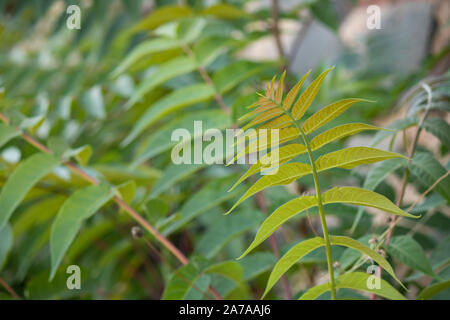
<point>292,257</point>
<point>307,97</point>
<point>351,243</point>
<point>325,115</point>
<point>352,157</point>
<point>339,132</point>
<point>290,97</point>
<point>285,175</point>
<point>285,153</point>
<point>355,281</point>
<point>264,141</point>
<point>362,197</point>
<point>80,206</point>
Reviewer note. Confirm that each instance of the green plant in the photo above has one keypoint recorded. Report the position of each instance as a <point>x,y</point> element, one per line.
<point>274,112</point>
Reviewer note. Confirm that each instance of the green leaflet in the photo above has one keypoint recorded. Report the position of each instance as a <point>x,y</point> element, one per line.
<point>409,251</point>
<point>339,132</point>
<point>286,174</point>
<point>307,97</point>
<point>172,102</point>
<point>144,49</point>
<point>358,196</point>
<point>187,283</point>
<point>352,157</point>
<point>290,258</point>
<point>166,71</point>
<point>7,133</point>
<point>22,180</point>
<point>285,153</point>
<point>328,113</point>
<point>80,206</point>
<point>427,169</point>
<point>350,243</point>
<point>355,281</point>
<point>278,217</point>
<point>439,128</point>
<point>433,290</point>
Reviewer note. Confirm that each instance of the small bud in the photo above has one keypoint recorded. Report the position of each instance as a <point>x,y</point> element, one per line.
<point>382,253</point>
<point>373,240</point>
<point>137,232</point>
<point>336,265</point>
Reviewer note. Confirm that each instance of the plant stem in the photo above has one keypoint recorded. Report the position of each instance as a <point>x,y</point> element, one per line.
<point>322,216</point>
<point>9,289</point>
<point>319,202</point>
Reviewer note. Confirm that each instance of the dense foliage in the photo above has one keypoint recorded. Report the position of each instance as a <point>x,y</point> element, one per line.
<point>87,178</point>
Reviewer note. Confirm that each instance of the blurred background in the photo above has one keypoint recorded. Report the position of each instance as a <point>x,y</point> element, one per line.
<point>94,85</point>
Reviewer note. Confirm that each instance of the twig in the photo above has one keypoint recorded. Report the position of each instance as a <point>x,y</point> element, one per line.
<point>276,30</point>
<point>9,289</point>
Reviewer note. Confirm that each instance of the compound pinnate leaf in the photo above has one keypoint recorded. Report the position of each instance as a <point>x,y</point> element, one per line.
<point>144,49</point>
<point>433,290</point>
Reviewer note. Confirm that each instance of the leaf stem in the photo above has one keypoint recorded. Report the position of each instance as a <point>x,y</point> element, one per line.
<point>322,216</point>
